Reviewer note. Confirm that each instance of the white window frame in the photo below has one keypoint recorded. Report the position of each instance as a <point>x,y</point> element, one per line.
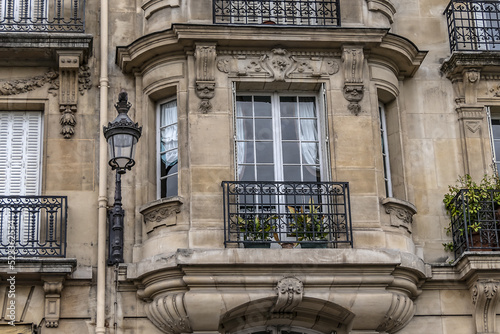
<point>159,178</point>
<point>277,139</point>
<point>493,140</point>
<point>385,150</point>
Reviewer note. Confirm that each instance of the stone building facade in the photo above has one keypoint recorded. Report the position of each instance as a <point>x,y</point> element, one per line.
<point>279,123</point>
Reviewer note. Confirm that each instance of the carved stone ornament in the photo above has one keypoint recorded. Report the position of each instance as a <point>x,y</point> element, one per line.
<point>290,292</point>
<point>20,86</point>
<point>52,287</point>
<point>278,64</point>
<point>168,313</point>
<point>485,298</point>
<point>383,6</point>
<point>399,315</point>
<point>160,213</point>
<point>354,94</point>
<point>205,55</point>
<point>401,212</point>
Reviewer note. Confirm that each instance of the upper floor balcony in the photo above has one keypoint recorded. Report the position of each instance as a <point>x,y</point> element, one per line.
<point>283,12</point>
<point>61,16</point>
<point>475,221</point>
<point>473,25</point>
<point>32,226</point>
<point>309,214</point>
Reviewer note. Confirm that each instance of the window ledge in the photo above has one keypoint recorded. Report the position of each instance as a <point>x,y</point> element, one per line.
<point>30,267</point>
<point>162,212</point>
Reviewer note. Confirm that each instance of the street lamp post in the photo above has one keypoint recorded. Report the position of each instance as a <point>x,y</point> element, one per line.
<point>122,135</point>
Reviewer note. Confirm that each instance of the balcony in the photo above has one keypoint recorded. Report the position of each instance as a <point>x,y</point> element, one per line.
<point>287,214</point>
<point>282,12</point>
<point>475,221</point>
<point>33,226</point>
<point>54,16</point>
<point>473,25</point>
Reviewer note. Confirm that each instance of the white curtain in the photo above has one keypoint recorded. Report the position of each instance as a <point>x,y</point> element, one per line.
<point>309,134</point>
<point>240,145</point>
<point>168,133</point>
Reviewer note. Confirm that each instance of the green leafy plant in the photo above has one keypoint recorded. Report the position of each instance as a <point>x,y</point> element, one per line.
<point>473,199</point>
<point>307,223</point>
<point>255,228</point>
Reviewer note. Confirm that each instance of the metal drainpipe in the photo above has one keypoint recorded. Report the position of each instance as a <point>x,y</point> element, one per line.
<point>103,175</point>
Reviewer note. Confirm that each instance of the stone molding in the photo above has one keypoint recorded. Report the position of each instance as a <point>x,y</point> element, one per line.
<point>383,6</point>
<point>401,212</point>
<point>290,292</point>
<point>152,6</point>
<point>485,298</point>
<point>205,55</point>
<point>279,64</point>
<point>162,212</point>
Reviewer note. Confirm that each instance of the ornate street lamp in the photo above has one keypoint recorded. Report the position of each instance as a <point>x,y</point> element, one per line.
<point>122,135</point>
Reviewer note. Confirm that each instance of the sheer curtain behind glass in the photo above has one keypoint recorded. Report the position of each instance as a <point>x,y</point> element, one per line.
<point>169,153</point>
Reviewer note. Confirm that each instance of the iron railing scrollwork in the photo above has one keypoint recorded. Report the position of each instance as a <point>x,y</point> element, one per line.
<point>33,226</point>
<point>280,12</point>
<point>475,221</point>
<point>287,213</point>
<point>473,25</point>
<point>51,16</point>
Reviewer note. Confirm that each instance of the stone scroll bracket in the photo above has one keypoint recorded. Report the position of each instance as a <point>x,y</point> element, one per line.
<point>353,60</point>
<point>401,212</point>
<point>485,298</point>
<point>290,292</point>
<point>52,285</point>
<point>74,79</point>
<point>205,55</point>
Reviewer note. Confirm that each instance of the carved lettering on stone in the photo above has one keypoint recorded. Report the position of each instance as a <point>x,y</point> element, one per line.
<point>205,55</point>
<point>485,298</point>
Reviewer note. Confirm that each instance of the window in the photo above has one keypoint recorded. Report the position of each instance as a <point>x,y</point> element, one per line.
<point>20,152</point>
<point>20,158</point>
<point>495,140</point>
<point>278,138</point>
<point>168,153</point>
<point>385,150</point>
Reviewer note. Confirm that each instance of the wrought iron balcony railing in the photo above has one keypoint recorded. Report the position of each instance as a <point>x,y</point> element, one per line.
<point>312,214</point>
<point>281,12</point>
<point>61,16</point>
<point>33,226</point>
<point>475,221</point>
<point>473,25</point>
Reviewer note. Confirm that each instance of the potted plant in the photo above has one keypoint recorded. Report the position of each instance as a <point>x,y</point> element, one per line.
<point>307,224</point>
<point>469,205</point>
<point>256,230</point>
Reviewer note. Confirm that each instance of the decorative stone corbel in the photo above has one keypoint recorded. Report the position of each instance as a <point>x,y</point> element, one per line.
<point>471,78</point>
<point>485,298</point>
<point>205,55</point>
<point>399,314</point>
<point>69,67</point>
<point>290,292</point>
<point>401,212</point>
<point>168,313</point>
<point>52,287</point>
<point>353,59</point>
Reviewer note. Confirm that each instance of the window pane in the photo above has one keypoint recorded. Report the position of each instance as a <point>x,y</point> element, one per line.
<point>265,173</point>
<point>289,130</point>
<point>168,138</point>
<point>306,107</point>
<point>169,186</point>
<point>168,163</point>
<point>264,152</point>
<point>244,106</point>
<point>263,129</point>
<point>246,173</point>
<point>168,113</point>
<point>288,106</point>
<point>291,173</point>
<point>291,153</point>
<point>310,153</point>
<point>263,106</point>
<point>311,173</point>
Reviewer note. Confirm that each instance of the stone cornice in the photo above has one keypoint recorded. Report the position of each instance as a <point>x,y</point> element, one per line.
<point>378,42</point>
<point>488,62</point>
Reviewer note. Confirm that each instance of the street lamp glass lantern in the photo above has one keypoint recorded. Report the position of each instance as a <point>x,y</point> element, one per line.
<point>122,136</point>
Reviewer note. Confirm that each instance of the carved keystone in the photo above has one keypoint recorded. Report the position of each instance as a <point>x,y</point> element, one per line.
<point>290,292</point>
<point>485,298</point>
